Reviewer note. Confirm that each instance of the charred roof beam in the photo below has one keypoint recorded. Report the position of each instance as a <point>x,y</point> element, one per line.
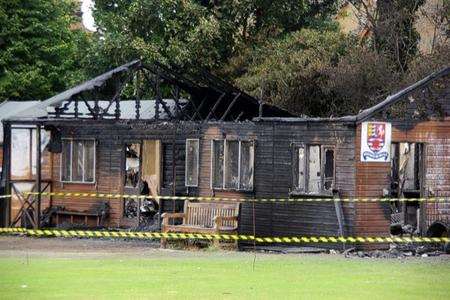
<point>211,113</point>
<point>230,106</point>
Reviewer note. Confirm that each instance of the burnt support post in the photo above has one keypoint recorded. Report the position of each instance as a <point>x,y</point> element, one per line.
<point>37,214</point>
<point>158,96</point>
<point>260,113</point>
<point>5,204</point>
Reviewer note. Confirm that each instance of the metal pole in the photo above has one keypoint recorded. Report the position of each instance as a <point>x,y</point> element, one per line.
<point>38,176</point>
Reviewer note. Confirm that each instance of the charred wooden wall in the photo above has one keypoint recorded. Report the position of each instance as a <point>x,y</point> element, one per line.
<point>272,173</point>
<point>110,144</point>
<point>273,176</point>
<point>373,219</point>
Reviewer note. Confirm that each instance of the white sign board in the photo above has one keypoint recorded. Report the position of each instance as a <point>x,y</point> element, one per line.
<point>375,142</point>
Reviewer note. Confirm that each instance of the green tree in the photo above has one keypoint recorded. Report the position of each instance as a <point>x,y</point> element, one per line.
<point>202,33</point>
<point>291,72</point>
<point>39,51</point>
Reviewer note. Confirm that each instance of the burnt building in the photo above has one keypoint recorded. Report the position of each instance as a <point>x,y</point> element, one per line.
<point>192,134</point>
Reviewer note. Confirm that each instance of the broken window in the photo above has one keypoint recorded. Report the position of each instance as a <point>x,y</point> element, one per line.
<point>192,156</point>
<point>406,166</point>
<point>247,162</point>
<point>23,151</point>
<point>132,164</point>
<point>406,181</point>
<point>314,169</point>
<point>232,164</point>
<point>78,161</point>
<point>217,164</point>
<point>328,169</point>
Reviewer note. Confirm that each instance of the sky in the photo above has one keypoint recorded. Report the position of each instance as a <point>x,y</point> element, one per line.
<point>88,19</point>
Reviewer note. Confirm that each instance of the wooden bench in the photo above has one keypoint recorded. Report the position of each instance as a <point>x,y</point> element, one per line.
<point>99,211</point>
<point>203,217</point>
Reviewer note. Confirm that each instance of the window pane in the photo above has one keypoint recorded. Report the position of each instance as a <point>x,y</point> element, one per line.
<point>65,161</point>
<point>132,164</point>
<point>89,159</point>
<point>217,164</point>
<point>247,161</point>
<point>314,169</point>
<point>20,153</point>
<point>329,170</point>
<point>301,169</point>
<point>192,162</point>
<point>45,138</point>
<point>77,160</point>
<point>232,164</point>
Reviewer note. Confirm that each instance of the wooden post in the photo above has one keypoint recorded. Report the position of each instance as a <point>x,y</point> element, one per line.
<point>37,214</point>
<point>174,170</point>
<point>5,204</point>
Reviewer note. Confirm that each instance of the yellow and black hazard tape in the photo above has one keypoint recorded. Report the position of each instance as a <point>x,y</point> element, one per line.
<point>256,200</point>
<point>224,237</point>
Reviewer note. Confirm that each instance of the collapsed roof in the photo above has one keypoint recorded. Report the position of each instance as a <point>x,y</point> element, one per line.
<point>177,94</point>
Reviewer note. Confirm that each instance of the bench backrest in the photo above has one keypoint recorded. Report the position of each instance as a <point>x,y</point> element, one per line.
<point>203,213</point>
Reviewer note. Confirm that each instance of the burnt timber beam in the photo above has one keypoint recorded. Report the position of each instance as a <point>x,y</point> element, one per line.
<point>76,108</point>
<point>197,111</point>
<point>157,88</point>
<point>166,108</point>
<point>195,108</point>
<point>91,110</point>
<point>116,97</point>
<point>239,116</point>
<point>215,106</point>
<point>230,106</point>
<point>392,99</point>
<point>173,77</point>
<point>175,91</point>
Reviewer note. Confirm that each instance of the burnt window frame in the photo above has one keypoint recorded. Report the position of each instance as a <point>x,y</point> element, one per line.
<point>186,163</point>
<point>296,168</point>
<point>419,158</point>
<point>94,166</point>
<point>223,187</point>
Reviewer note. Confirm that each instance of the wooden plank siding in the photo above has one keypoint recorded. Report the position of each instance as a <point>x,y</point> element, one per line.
<point>373,219</point>
<point>273,176</point>
<point>272,170</point>
<point>110,143</point>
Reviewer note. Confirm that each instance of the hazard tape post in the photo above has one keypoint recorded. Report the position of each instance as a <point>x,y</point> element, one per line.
<point>225,237</point>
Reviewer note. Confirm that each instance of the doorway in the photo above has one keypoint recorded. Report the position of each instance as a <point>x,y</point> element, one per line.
<point>142,162</point>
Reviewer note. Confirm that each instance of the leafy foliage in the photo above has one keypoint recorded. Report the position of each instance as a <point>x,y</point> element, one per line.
<point>193,32</point>
<point>39,51</point>
<point>292,72</point>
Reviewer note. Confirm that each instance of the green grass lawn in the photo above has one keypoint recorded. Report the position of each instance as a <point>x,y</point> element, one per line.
<point>219,275</point>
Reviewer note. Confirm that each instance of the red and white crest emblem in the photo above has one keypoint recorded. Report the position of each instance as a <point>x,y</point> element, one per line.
<point>376,136</point>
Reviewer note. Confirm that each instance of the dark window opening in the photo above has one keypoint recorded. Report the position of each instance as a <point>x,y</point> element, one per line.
<point>132,164</point>
<point>192,158</point>
<point>132,178</point>
<point>406,182</point>
<point>313,169</point>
